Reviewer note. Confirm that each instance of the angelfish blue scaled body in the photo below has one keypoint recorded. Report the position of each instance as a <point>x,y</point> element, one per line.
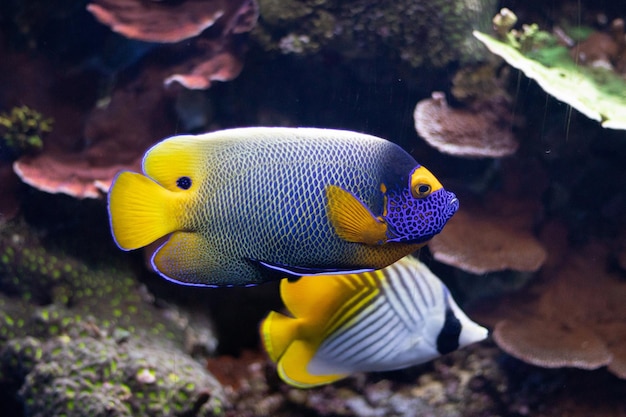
<point>247,205</point>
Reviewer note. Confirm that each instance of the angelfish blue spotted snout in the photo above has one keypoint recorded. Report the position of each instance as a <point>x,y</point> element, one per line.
<point>411,219</point>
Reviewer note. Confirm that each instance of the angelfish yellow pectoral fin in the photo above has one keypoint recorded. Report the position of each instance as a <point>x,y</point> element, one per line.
<point>292,367</point>
<point>351,219</point>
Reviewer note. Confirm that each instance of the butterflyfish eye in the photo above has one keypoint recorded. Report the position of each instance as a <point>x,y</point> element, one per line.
<point>421,190</point>
<point>184,183</point>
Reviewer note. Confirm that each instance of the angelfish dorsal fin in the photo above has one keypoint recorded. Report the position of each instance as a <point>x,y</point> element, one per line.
<point>351,219</point>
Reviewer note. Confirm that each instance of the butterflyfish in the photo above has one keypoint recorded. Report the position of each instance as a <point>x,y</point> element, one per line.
<point>392,318</point>
<point>248,205</point>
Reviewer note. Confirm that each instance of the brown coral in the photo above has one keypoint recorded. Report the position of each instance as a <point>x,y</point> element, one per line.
<point>206,55</point>
<point>573,315</point>
<point>171,22</point>
<point>479,241</point>
<point>116,135</point>
<point>469,132</point>
<point>495,232</point>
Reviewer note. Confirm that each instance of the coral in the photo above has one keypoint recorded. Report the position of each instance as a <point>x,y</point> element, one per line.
<point>480,241</point>
<point>171,22</point>
<point>483,131</point>
<point>207,55</point>
<point>99,376</point>
<point>22,130</point>
<point>161,22</point>
<point>116,134</point>
<point>595,91</point>
<point>389,31</point>
<point>494,232</point>
<point>573,315</point>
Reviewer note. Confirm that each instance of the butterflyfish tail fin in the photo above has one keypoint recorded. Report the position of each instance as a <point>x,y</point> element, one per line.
<point>351,219</point>
<point>277,333</point>
<point>138,211</point>
<point>293,367</point>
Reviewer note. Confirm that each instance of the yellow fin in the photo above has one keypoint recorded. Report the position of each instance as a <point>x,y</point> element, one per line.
<point>138,211</point>
<point>352,220</point>
<point>321,301</point>
<point>313,297</point>
<point>188,259</point>
<point>292,367</point>
<point>277,333</point>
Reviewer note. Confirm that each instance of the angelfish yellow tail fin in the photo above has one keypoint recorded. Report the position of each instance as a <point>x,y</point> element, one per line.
<point>139,211</point>
<point>277,333</point>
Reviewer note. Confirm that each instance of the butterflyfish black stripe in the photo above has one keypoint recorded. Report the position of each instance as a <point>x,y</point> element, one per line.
<point>350,309</point>
<point>381,346</point>
<point>356,323</point>
<point>398,297</point>
<point>362,324</point>
<point>357,345</point>
<point>448,338</point>
<point>425,278</point>
<point>346,341</point>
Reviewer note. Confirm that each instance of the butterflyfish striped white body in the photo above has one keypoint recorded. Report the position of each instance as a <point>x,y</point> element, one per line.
<point>393,318</point>
<point>244,206</point>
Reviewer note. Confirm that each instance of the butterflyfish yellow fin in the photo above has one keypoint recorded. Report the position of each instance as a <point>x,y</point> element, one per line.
<point>352,220</point>
<point>179,157</point>
<point>292,366</point>
<point>186,258</point>
<point>315,298</point>
<point>277,333</point>
<point>139,211</point>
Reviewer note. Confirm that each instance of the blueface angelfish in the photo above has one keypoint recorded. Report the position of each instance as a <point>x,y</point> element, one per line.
<point>244,206</point>
<point>393,318</point>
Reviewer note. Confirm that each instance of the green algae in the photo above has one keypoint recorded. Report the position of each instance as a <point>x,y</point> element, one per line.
<point>598,93</point>
<point>98,376</point>
<point>73,336</point>
<point>22,130</point>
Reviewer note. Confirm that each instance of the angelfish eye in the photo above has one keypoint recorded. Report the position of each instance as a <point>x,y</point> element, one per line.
<point>184,183</point>
<point>421,190</point>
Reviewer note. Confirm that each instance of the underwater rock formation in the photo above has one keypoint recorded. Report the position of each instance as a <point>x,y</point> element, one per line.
<point>99,376</point>
<point>78,335</point>
<point>362,29</point>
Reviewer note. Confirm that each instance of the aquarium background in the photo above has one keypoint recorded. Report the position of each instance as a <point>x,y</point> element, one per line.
<point>537,252</point>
